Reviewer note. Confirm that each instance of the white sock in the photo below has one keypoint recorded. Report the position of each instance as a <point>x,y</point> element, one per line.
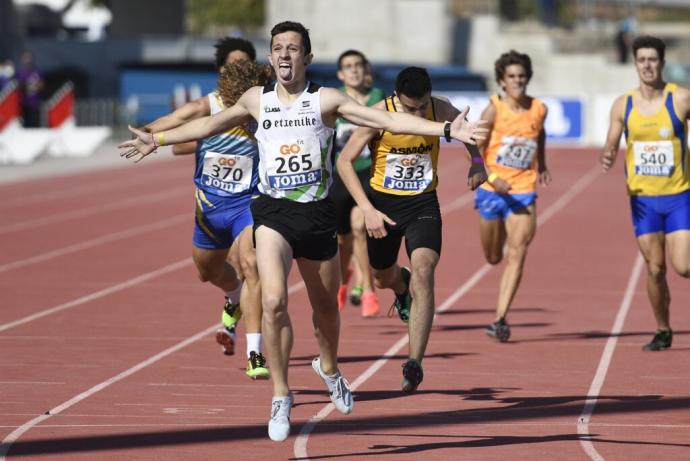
<point>234,295</point>
<point>253,343</point>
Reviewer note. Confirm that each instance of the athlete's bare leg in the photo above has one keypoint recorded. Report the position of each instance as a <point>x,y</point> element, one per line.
<point>361,256</point>
<point>424,261</point>
<point>679,251</point>
<point>520,229</point>
<point>274,259</point>
<point>652,246</point>
<point>390,278</point>
<point>250,298</point>
<point>321,279</point>
<point>492,234</point>
<point>213,267</point>
<point>345,251</point>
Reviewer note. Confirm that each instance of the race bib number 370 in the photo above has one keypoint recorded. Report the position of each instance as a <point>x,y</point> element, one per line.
<point>229,173</point>
<point>294,164</point>
<point>653,158</point>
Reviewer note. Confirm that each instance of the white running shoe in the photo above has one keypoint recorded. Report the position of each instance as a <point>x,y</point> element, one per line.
<point>338,387</point>
<point>279,424</point>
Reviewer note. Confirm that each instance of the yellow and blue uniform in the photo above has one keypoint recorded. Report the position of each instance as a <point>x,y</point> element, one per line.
<point>226,178</point>
<point>512,155</point>
<point>656,166</point>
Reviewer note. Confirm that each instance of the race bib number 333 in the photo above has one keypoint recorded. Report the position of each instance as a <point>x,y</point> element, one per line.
<point>229,173</point>
<point>408,172</point>
<point>653,158</point>
<point>294,164</point>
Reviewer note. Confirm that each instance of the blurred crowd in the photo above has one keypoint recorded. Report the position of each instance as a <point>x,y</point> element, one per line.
<point>30,83</point>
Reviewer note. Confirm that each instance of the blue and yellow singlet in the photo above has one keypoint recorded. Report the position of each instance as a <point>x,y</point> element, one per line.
<point>656,159</point>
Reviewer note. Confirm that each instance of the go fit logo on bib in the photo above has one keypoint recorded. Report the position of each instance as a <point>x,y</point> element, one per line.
<point>289,149</point>
<point>223,161</point>
<point>409,161</point>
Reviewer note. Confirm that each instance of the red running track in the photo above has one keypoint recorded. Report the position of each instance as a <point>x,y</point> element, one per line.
<point>104,326</point>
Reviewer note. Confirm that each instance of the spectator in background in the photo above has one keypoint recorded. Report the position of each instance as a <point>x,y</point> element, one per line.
<point>352,235</point>
<point>6,72</point>
<point>624,38</point>
<point>31,85</point>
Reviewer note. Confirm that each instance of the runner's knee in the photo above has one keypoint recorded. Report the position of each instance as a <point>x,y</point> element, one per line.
<point>273,304</point>
<point>656,271</point>
<point>493,257</point>
<point>206,273</point>
<point>423,275</point>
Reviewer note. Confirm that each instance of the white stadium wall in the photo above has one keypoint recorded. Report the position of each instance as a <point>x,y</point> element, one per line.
<point>387,31</point>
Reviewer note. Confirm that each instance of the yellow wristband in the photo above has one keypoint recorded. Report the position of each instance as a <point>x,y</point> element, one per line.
<point>160,138</point>
<point>492,177</point>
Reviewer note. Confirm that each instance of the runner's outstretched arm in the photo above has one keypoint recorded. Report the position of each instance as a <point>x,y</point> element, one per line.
<point>145,143</point>
<point>397,122</point>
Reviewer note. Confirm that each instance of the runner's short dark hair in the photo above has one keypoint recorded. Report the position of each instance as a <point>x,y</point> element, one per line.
<point>510,58</point>
<point>413,82</point>
<point>347,53</point>
<point>227,45</point>
<point>647,41</point>
<point>290,26</point>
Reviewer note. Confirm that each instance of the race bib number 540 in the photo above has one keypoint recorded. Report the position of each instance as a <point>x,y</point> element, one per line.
<point>653,158</point>
<point>294,164</point>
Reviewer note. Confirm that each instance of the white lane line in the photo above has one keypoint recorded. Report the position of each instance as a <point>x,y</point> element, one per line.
<point>96,209</point>
<point>14,435</point>
<point>108,238</point>
<point>605,362</point>
<point>458,203</point>
<point>300,446</point>
<point>99,294</point>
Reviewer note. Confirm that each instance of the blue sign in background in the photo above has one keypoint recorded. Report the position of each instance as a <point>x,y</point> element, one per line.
<point>153,89</point>
<point>564,120</point>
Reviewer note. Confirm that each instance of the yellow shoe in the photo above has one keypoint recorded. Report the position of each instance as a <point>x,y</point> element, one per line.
<point>256,366</point>
<point>231,314</point>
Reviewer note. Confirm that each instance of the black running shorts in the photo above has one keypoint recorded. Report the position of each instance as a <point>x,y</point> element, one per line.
<point>418,219</point>
<point>309,228</point>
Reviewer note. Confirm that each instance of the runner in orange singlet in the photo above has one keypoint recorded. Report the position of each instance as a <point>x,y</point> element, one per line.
<point>514,157</point>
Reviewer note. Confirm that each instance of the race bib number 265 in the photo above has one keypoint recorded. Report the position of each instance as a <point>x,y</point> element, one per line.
<point>294,164</point>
